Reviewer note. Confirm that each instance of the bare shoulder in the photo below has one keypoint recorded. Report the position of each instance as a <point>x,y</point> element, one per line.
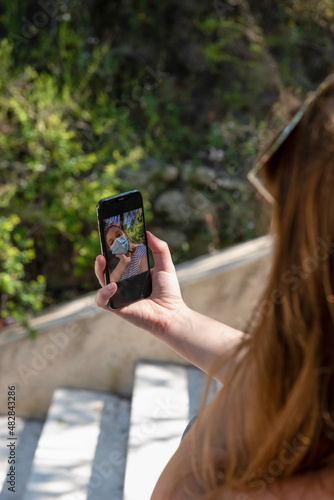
<point>313,485</point>
<point>317,485</point>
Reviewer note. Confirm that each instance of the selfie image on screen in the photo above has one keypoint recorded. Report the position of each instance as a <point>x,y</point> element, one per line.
<point>125,241</point>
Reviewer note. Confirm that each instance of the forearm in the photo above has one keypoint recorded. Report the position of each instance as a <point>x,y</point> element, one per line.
<point>115,276</point>
<point>201,340</point>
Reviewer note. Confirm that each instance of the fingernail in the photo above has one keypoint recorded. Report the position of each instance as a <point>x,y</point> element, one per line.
<point>111,287</point>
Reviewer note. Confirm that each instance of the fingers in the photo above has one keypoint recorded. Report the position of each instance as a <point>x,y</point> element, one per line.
<point>100,265</point>
<point>104,294</point>
<point>161,254</point>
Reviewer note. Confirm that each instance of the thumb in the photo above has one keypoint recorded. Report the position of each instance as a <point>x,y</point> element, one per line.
<point>104,294</point>
<point>161,254</point>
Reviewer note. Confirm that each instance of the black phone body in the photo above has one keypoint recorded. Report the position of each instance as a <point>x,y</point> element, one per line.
<point>124,244</point>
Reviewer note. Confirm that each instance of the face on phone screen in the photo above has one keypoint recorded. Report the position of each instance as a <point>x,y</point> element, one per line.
<point>125,245</point>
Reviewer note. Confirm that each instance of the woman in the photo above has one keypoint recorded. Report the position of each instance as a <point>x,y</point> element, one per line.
<point>269,432</point>
<point>127,258</point>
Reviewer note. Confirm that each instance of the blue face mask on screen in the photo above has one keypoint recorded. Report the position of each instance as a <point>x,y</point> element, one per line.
<point>120,245</point>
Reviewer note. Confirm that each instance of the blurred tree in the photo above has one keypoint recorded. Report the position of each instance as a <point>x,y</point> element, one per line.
<point>88,88</point>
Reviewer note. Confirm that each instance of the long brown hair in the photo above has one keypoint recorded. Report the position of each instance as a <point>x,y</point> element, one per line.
<point>275,413</point>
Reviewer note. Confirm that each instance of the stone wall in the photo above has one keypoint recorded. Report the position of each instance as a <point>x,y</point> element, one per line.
<point>82,346</point>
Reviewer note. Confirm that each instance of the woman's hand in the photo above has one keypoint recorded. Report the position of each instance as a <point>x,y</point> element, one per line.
<point>162,307</point>
<point>122,264</point>
<point>124,260</point>
<point>196,337</point>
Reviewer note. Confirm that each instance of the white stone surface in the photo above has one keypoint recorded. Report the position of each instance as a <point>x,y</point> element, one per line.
<point>75,459</point>
<point>27,433</point>
<point>240,254</point>
<point>165,398</point>
<point>81,346</point>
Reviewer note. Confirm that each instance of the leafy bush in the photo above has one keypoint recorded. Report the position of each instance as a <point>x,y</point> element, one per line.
<point>18,296</point>
<point>58,160</point>
<point>88,88</point>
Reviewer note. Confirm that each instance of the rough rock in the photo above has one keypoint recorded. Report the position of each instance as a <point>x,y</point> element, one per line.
<point>204,175</point>
<point>172,236</point>
<point>197,206</point>
<point>169,204</point>
<point>170,174</point>
<point>137,177</point>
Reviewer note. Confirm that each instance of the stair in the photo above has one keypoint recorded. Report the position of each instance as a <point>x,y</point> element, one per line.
<point>82,449</point>
<point>165,398</point>
<point>27,433</point>
<point>96,446</point>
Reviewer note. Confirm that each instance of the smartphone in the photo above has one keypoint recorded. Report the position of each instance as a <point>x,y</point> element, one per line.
<point>123,241</point>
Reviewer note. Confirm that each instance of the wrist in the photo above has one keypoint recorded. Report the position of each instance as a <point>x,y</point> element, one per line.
<point>117,273</point>
<point>174,326</point>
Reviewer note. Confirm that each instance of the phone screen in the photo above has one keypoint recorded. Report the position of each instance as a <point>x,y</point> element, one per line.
<point>124,245</point>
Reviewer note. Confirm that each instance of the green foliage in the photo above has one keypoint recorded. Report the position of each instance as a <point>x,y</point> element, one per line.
<point>87,88</point>
<point>136,230</point>
<point>19,297</point>
<point>59,157</point>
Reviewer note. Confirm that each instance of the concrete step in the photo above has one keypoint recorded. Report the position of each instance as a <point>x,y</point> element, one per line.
<point>165,397</point>
<point>27,433</point>
<point>85,445</point>
<point>81,453</point>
